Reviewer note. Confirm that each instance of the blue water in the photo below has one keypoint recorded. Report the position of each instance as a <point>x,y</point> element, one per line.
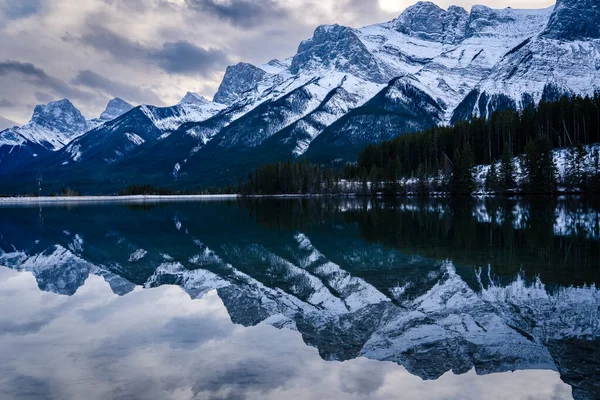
<point>301,299</point>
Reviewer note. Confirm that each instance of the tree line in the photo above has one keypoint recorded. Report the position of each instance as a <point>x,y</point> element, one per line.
<point>442,158</point>
<point>149,190</point>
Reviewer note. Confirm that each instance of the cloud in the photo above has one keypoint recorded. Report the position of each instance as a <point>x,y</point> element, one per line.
<point>39,78</point>
<point>243,13</point>
<point>43,97</point>
<point>113,88</point>
<point>16,9</point>
<point>179,57</point>
<point>186,58</point>
<point>6,123</point>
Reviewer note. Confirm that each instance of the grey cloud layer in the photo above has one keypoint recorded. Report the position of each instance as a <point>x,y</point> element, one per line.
<point>179,57</point>
<point>243,13</point>
<point>113,88</point>
<point>39,78</point>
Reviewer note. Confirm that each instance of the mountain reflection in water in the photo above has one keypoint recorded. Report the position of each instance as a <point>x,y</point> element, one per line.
<point>437,288</point>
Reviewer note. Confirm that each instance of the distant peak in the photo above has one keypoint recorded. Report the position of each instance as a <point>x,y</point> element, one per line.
<point>60,116</point>
<point>114,109</point>
<point>193,98</point>
<point>428,21</point>
<point>54,108</point>
<point>238,79</point>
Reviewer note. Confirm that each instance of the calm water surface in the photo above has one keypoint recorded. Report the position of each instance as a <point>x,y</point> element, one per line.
<point>301,299</point>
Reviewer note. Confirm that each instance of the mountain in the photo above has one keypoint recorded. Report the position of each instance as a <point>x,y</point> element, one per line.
<point>193,98</point>
<point>53,125</point>
<point>51,128</point>
<point>346,88</point>
<point>115,108</point>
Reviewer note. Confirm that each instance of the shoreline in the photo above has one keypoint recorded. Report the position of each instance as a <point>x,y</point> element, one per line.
<point>111,199</point>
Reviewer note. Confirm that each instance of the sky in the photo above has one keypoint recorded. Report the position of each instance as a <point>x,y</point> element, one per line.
<point>154,51</point>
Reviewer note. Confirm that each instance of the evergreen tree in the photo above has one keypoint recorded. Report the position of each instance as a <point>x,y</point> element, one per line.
<point>462,182</point>
<point>422,182</point>
<point>593,185</point>
<point>575,172</point>
<point>374,179</point>
<point>364,184</point>
<point>507,179</point>
<point>538,167</point>
<point>492,181</point>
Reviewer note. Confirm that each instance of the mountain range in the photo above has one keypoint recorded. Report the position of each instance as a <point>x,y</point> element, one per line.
<point>343,89</point>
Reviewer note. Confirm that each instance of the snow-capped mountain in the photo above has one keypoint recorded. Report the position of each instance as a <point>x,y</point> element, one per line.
<point>115,108</point>
<point>193,98</point>
<point>346,88</point>
<point>52,125</point>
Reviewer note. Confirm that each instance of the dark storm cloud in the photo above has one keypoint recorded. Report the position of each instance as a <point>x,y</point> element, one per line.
<point>179,57</point>
<point>39,78</point>
<point>243,13</point>
<point>15,9</point>
<point>114,88</point>
<point>186,58</point>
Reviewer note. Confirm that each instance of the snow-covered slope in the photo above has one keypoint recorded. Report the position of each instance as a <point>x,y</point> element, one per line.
<point>171,118</point>
<point>195,98</point>
<point>115,108</point>
<point>53,125</point>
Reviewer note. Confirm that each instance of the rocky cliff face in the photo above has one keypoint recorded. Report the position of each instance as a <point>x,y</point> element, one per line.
<point>574,20</point>
<point>339,48</point>
<point>239,79</point>
<point>425,20</point>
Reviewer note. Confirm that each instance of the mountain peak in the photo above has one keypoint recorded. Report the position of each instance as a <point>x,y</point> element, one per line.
<point>193,98</point>
<point>337,47</point>
<point>238,79</point>
<point>428,21</point>
<point>61,116</point>
<point>115,108</point>
<point>574,20</point>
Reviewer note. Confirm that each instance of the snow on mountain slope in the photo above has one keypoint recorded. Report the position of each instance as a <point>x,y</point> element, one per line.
<point>449,60</point>
<point>542,68</point>
<point>194,98</point>
<point>171,118</point>
<point>53,125</point>
<point>562,58</point>
<point>114,109</point>
<point>446,70</point>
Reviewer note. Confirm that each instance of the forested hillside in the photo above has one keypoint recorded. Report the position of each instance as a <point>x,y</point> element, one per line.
<point>519,147</point>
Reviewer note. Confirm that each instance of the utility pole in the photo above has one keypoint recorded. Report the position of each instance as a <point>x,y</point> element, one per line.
<point>39,178</point>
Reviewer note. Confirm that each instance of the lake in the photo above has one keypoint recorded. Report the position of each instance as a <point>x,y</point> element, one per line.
<point>301,299</point>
